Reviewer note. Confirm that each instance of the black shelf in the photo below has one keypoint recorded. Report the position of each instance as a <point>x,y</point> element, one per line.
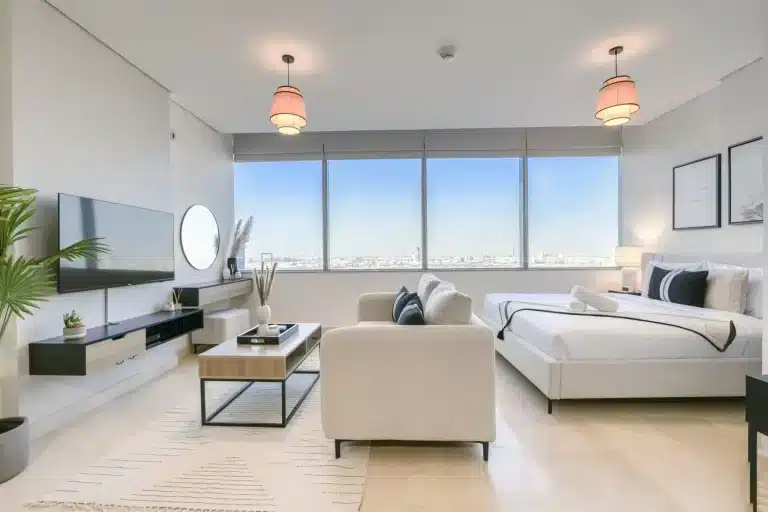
<point>108,332</point>
<point>58,356</point>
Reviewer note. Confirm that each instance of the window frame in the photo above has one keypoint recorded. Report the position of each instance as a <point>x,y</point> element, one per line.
<point>332,157</point>
<point>522,211</point>
<point>573,154</point>
<point>424,157</point>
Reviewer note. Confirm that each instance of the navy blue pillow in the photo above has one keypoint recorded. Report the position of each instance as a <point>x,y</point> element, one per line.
<point>412,313</point>
<point>403,296</point>
<point>678,286</point>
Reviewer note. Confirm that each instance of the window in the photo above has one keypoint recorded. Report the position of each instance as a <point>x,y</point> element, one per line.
<point>473,212</point>
<point>573,205</point>
<point>374,214</point>
<point>285,199</point>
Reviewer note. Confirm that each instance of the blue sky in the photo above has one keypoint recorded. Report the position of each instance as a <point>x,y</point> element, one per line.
<point>472,206</point>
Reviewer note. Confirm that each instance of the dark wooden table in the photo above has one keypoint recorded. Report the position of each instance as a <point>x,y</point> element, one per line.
<point>757,421</point>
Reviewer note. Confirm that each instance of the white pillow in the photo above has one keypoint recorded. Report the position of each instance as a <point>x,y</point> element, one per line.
<point>690,265</point>
<point>753,303</point>
<point>726,290</point>
<point>427,284</point>
<point>446,306</point>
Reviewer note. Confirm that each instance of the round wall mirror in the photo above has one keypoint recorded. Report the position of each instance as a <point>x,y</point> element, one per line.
<point>200,237</point>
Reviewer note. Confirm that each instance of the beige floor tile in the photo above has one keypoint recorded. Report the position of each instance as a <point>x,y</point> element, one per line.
<point>445,494</point>
<point>591,457</point>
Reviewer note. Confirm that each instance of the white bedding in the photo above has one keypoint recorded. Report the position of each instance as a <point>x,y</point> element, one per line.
<point>568,337</point>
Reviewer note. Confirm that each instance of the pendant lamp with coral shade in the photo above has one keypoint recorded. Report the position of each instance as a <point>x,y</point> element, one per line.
<point>288,112</point>
<point>617,101</point>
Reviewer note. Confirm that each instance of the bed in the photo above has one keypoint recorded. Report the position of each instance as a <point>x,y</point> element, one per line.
<point>582,357</point>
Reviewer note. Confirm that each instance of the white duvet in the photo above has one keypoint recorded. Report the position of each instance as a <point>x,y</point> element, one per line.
<point>568,337</point>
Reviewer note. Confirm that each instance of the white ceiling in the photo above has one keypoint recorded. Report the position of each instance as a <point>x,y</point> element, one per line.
<point>372,65</point>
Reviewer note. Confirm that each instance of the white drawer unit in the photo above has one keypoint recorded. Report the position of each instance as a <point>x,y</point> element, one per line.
<point>114,352</point>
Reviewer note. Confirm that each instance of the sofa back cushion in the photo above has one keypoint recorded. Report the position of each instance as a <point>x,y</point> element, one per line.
<point>446,306</point>
<point>427,284</point>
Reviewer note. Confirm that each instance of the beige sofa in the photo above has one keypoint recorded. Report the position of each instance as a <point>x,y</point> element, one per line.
<point>383,381</point>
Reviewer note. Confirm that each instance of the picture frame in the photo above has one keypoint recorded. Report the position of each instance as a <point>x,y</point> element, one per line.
<point>745,182</point>
<point>696,194</point>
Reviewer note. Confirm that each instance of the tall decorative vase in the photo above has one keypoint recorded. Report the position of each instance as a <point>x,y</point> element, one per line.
<point>232,266</point>
<point>263,316</point>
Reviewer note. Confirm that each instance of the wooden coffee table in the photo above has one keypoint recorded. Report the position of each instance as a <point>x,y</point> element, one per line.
<point>258,363</point>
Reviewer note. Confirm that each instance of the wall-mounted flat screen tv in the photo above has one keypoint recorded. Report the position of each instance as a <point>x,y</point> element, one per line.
<point>141,244</point>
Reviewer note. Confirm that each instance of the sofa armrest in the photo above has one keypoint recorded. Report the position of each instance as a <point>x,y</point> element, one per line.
<point>376,307</point>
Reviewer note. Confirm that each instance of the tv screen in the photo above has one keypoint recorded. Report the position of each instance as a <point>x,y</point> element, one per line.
<point>141,244</point>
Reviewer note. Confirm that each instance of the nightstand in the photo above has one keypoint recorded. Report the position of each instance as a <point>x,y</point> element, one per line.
<point>624,292</point>
<point>757,421</point>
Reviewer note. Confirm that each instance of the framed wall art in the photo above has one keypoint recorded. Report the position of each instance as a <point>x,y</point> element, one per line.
<point>745,182</point>
<point>696,194</point>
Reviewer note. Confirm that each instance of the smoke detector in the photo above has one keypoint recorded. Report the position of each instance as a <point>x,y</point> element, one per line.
<point>447,52</point>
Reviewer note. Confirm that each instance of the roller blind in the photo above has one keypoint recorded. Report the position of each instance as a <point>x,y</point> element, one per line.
<point>555,141</point>
<point>266,147</point>
<point>574,141</point>
<point>374,145</point>
<point>473,143</point>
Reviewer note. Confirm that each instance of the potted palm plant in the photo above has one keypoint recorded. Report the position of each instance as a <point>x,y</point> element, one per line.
<point>24,283</point>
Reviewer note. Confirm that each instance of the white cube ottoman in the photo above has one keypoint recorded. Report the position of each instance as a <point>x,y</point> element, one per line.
<point>221,326</point>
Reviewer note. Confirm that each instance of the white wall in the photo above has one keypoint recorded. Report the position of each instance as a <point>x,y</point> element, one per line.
<point>201,173</point>
<point>731,113</point>
<point>331,297</point>
<point>8,365</point>
<point>764,110</point>
<point>6,140</point>
<point>88,123</point>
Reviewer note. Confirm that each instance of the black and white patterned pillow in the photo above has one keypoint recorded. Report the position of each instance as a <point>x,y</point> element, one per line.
<point>678,286</point>
<point>412,313</point>
<point>403,296</point>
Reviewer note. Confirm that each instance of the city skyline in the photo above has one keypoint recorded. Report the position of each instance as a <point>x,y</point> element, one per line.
<point>473,210</point>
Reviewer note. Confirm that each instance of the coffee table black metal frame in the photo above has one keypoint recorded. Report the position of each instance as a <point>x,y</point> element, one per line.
<point>285,419</point>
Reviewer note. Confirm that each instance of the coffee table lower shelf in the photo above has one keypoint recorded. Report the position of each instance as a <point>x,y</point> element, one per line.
<point>208,420</point>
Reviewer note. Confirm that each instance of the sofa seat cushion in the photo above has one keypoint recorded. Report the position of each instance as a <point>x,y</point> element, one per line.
<point>447,306</point>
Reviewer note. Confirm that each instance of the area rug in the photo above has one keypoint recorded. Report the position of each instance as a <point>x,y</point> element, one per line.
<point>174,464</point>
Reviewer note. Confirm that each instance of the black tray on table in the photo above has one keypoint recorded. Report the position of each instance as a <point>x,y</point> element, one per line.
<point>250,337</point>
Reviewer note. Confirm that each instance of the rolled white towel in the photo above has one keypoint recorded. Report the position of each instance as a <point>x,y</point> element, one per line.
<point>594,299</point>
<point>577,306</point>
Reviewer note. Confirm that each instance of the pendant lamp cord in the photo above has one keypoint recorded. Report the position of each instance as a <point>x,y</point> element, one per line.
<point>616,64</point>
<point>289,72</point>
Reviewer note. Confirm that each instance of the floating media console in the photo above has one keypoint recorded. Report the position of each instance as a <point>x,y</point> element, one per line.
<point>203,294</point>
<point>109,345</point>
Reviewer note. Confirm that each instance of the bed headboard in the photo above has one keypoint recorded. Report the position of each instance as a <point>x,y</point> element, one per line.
<point>741,259</point>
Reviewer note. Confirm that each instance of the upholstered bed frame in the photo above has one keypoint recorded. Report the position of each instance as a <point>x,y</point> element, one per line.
<point>660,378</point>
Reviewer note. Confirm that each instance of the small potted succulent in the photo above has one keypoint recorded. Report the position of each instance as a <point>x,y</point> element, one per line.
<point>74,328</point>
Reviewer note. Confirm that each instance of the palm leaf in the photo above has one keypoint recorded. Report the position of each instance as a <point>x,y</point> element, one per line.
<point>26,282</point>
<point>88,248</point>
